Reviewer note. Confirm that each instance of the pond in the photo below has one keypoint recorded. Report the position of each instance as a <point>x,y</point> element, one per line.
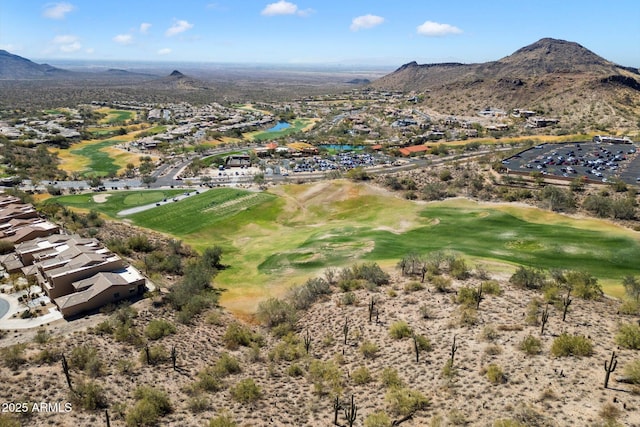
<point>4,307</point>
<point>279,126</point>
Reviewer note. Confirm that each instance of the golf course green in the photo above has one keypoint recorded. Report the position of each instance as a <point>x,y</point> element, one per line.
<point>274,239</point>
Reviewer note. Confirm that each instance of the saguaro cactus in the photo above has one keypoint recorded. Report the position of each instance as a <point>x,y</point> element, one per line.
<point>545,319</point>
<point>336,408</point>
<point>307,341</point>
<point>478,296</point>
<point>65,368</point>
<point>174,357</point>
<point>610,367</point>
<point>372,306</point>
<point>566,302</point>
<point>345,329</point>
<point>351,412</point>
<point>454,348</point>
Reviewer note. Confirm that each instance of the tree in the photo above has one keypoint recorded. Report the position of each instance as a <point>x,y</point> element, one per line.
<point>148,180</point>
<point>94,181</point>
<point>631,287</point>
<point>211,257</point>
<point>528,277</point>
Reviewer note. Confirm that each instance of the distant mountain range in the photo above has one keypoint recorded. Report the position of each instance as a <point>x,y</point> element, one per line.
<point>14,67</point>
<point>555,77</point>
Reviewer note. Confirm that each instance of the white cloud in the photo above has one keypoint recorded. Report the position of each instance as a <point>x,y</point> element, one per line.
<point>164,51</point>
<point>57,10</point>
<point>67,43</point>
<point>89,50</point>
<point>123,39</point>
<point>284,7</point>
<point>366,21</point>
<point>435,29</point>
<point>11,47</point>
<point>144,27</point>
<point>178,27</point>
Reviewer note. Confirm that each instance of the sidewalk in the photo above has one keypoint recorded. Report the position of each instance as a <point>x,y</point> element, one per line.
<point>14,307</point>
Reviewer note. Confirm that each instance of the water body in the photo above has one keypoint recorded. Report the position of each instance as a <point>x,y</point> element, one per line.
<point>279,126</point>
<point>4,307</point>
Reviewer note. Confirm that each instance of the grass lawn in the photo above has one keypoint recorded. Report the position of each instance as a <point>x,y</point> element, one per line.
<point>116,116</point>
<point>274,239</point>
<point>115,201</point>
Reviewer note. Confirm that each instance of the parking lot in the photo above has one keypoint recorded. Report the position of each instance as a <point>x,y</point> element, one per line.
<point>598,162</point>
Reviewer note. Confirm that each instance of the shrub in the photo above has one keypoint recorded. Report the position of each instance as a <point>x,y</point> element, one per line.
<point>571,345</point>
<point>404,401</point>
<point>629,308</point>
<point>413,287</point>
<point>151,404</point>
<point>222,420</point>
<point>208,380</point>
<point>507,422</point>
<point>491,287</point>
<point>239,335</point>
<point>632,370</point>
<point>275,312</point>
<point>42,336</point>
<point>13,356</point>
<point>529,278</point>
<point>425,312</point>
<point>361,375</point>
<point>369,349</point>
<point>48,356</point>
<point>468,317</point>
<point>325,374</point>
<point>390,378</point>
<point>628,336</point>
<point>399,330</point>
<point>289,349</point>
<point>295,370</point>
<point>467,296</point>
<point>423,342</point>
<point>530,345</point>
<point>303,296</point>
<point>441,283</point>
<point>377,419</point>
<point>157,354</point>
<point>198,404</point>
<point>493,350</point>
<point>103,328</point>
<point>494,374</point>
<point>85,358</point>
<point>448,370</point>
<point>89,395</point>
<point>227,365</point>
<point>349,298</point>
<point>246,391</point>
<point>159,328</point>
<point>489,333</point>
<point>583,284</point>
<point>140,243</point>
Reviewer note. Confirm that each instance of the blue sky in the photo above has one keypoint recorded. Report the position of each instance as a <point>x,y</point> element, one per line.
<point>376,32</point>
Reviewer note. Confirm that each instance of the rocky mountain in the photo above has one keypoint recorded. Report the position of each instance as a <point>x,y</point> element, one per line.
<point>176,80</point>
<point>14,67</point>
<point>553,77</point>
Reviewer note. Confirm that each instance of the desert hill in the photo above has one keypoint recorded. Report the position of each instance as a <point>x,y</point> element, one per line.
<point>492,378</point>
<point>14,67</point>
<point>176,80</point>
<point>553,77</point>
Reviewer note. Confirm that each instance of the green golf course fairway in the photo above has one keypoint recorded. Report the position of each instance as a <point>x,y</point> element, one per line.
<point>278,238</point>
